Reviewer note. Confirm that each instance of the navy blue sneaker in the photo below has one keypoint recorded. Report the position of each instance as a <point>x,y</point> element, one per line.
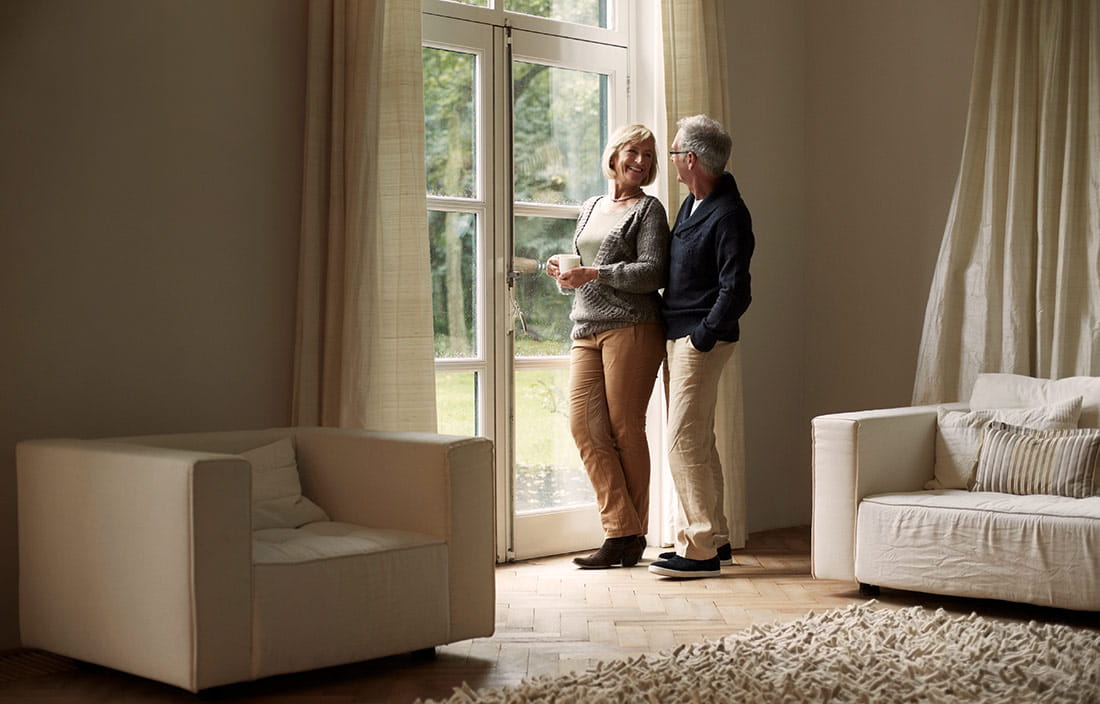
<point>725,555</point>
<point>685,568</point>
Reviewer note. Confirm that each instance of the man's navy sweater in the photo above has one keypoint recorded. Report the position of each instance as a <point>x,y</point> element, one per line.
<point>708,280</point>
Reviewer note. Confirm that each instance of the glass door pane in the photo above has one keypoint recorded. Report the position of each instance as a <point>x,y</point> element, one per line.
<point>450,116</point>
<point>544,326</point>
<point>560,122</point>
<point>456,403</point>
<point>453,238</point>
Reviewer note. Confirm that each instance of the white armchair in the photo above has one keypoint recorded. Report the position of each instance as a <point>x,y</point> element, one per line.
<point>139,554</point>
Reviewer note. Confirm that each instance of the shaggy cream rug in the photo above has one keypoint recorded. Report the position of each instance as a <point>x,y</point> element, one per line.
<point>857,654</point>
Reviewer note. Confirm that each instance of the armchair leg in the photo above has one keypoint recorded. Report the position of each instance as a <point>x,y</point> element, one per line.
<point>868,590</point>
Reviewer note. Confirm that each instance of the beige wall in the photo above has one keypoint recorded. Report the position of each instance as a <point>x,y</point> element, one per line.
<point>887,88</point>
<point>848,121</point>
<point>149,210</point>
<point>767,46</point>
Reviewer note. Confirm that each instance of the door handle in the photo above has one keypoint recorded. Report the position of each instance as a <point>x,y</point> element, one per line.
<point>522,266</point>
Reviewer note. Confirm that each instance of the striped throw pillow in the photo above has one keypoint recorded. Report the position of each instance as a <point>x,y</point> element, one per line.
<point>1016,460</point>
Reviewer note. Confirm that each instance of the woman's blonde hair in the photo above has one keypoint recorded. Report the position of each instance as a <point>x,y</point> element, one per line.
<point>629,134</point>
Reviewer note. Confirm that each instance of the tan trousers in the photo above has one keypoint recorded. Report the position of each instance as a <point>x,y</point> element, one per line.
<point>611,377</point>
<point>691,390</point>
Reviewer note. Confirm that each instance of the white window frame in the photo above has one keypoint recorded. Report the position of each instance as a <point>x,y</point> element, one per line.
<point>617,35</point>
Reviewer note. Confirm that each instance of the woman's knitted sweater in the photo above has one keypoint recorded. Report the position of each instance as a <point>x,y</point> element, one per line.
<point>632,264</point>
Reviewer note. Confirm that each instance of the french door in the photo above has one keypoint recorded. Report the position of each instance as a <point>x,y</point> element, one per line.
<point>516,122</point>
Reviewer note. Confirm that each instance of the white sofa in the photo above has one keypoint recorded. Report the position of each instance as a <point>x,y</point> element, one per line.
<point>877,522</point>
<point>170,557</point>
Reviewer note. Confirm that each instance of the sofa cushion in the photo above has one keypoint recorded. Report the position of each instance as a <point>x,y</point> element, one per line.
<point>277,500</point>
<point>959,435</point>
<point>1018,391</point>
<point>1015,460</point>
<point>1038,549</point>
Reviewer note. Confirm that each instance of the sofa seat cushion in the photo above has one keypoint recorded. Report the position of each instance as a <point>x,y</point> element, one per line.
<point>305,617</point>
<point>961,500</point>
<point>1038,549</point>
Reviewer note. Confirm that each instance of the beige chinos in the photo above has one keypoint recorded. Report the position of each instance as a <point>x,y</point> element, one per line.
<point>691,389</point>
<point>610,382</point>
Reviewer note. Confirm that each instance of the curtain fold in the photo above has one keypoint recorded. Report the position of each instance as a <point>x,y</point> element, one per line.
<point>697,81</point>
<point>1017,283</point>
<point>364,352</point>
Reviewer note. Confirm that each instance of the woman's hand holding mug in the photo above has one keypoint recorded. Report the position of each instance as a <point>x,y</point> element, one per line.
<point>560,265</point>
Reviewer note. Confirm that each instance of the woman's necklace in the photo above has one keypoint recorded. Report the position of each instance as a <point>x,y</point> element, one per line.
<point>620,200</point>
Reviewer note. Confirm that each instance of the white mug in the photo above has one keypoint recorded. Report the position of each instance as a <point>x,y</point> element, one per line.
<point>568,262</point>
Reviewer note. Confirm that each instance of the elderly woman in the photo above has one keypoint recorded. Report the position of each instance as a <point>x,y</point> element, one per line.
<point>618,340</point>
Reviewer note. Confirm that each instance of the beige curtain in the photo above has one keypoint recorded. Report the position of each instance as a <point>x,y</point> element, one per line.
<point>1017,284</point>
<point>696,81</point>
<point>364,355</point>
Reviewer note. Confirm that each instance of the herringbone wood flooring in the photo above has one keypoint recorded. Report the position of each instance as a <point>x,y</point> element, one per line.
<point>551,618</point>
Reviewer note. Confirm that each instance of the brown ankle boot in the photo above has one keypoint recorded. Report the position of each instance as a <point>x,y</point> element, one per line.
<point>634,551</point>
<point>608,554</point>
<point>614,551</point>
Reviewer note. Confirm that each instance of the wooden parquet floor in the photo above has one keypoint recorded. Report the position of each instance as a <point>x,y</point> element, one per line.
<point>551,618</point>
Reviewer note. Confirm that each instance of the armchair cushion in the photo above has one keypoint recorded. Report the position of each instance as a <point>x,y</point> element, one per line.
<point>326,540</point>
<point>305,615</point>
<point>277,500</point>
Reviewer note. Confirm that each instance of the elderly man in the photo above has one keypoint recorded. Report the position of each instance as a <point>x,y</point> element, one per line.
<point>707,292</point>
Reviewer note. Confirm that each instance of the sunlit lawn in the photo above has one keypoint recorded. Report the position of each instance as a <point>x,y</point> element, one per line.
<point>548,467</point>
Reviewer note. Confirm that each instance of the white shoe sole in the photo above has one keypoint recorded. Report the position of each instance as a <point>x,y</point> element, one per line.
<point>684,574</point>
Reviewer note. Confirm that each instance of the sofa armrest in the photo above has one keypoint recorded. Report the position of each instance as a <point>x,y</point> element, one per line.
<point>441,485</point>
<point>858,454</point>
<point>136,558</point>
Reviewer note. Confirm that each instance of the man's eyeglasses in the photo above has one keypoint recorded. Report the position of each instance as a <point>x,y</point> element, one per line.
<point>673,152</point>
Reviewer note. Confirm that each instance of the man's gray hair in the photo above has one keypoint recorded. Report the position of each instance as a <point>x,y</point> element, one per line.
<point>708,140</point>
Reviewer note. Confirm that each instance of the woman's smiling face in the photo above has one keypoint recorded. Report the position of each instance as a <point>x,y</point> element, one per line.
<point>633,162</point>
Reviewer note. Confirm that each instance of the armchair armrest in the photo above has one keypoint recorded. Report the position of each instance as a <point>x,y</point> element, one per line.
<point>440,485</point>
<point>858,454</point>
<point>136,558</point>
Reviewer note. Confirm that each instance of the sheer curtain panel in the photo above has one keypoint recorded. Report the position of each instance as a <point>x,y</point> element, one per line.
<point>696,81</point>
<point>1017,285</point>
<point>364,355</point>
